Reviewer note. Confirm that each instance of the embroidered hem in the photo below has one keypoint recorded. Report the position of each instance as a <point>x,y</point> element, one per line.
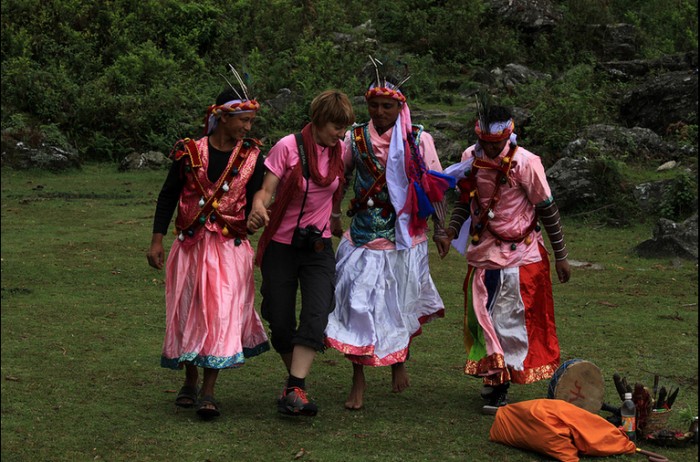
<point>365,356</point>
<point>214,362</point>
<point>494,371</point>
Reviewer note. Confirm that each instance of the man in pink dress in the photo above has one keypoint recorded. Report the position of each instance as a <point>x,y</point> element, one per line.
<point>211,320</point>
<point>510,333</point>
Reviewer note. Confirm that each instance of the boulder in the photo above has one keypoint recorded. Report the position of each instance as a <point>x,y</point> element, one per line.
<point>649,196</point>
<point>620,142</point>
<point>528,15</point>
<point>636,68</point>
<point>151,160</point>
<point>672,240</point>
<point>661,101</point>
<point>21,156</point>
<point>572,183</point>
<point>614,41</point>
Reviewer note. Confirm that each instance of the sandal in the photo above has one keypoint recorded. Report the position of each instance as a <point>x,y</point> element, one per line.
<point>187,396</point>
<point>208,408</point>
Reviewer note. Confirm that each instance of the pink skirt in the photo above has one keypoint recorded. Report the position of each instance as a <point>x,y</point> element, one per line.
<point>210,312</point>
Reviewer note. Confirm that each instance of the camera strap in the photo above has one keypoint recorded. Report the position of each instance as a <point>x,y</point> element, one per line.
<point>304,172</point>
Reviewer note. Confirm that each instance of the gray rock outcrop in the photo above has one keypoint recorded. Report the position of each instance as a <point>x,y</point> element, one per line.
<point>21,156</point>
<point>672,239</point>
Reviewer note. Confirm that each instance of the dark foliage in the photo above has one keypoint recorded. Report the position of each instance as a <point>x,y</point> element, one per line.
<point>112,76</point>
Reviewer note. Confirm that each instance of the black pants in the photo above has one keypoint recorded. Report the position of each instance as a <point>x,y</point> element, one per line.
<point>284,269</point>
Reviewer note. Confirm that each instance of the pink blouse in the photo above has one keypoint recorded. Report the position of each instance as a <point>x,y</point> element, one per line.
<point>513,213</point>
<point>280,161</point>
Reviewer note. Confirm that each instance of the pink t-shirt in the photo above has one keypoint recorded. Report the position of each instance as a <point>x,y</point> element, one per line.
<point>513,213</point>
<point>380,147</point>
<point>280,161</point>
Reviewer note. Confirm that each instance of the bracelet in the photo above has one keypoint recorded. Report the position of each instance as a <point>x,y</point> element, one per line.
<point>336,215</point>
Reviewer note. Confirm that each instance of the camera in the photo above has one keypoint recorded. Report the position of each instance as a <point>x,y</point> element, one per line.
<point>309,238</point>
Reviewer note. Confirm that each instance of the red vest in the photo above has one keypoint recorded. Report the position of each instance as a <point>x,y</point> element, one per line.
<point>218,207</point>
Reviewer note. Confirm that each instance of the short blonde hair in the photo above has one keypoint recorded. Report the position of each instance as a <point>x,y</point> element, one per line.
<point>332,106</point>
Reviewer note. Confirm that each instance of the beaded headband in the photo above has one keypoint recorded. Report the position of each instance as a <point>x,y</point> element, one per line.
<point>242,104</point>
<point>382,87</point>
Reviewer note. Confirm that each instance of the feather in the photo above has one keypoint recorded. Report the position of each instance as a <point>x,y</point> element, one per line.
<point>661,402</point>
<point>232,87</point>
<point>672,398</point>
<point>376,69</point>
<point>240,81</point>
<point>619,386</point>
<point>482,110</point>
<point>403,81</point>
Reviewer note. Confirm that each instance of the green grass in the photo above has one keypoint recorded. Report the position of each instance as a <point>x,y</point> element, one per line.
<point>83,323</point>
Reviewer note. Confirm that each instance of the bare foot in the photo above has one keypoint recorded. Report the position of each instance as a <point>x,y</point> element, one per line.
<point>399,378</point>
<point>355,398</point>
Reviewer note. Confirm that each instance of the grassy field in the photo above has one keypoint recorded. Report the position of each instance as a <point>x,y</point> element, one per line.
<point>83,322</point>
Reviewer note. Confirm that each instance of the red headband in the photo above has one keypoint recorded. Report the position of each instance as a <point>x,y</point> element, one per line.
<point>386,93</point>
<point>242,106</point>
<point>498,131</point>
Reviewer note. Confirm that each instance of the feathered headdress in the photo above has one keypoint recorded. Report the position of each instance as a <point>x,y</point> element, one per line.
<point>381,86</point>
<point>412,187</point>
<point>244,103</point>
<point>487,130</point>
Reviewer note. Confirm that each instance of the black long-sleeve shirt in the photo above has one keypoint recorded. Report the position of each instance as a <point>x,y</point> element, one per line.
<point>172,187</point>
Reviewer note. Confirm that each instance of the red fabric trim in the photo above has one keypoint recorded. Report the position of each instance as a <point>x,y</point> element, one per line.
<point>188,149</point>
<point>365,356</point>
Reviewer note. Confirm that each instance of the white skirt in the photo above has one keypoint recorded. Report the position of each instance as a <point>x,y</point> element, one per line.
<point>382,298</point>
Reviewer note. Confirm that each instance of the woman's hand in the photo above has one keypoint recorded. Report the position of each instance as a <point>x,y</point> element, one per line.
<point>259,217</point>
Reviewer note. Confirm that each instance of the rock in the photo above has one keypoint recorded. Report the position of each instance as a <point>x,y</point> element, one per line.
<point>661,101</point>
<point>151,160</point>
<point>672,240</point>
<point>585,264</point>
<point>619,142</point>
<point>572,184</point>
<point>529,15</point>
<point>649,196</point>
<point>614,41</point>
<point>636,68</point>
<point>283,100</point>
<point>19,155</point>
<point>670,165</point>
<point>508,78</point>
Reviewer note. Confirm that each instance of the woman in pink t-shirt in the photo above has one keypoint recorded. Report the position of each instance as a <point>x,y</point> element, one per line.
<point>304,176</point>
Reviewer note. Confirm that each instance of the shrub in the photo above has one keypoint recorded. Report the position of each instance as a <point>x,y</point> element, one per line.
<point>680,199</point>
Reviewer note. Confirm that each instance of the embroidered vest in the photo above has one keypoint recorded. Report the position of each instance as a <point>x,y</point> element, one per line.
<point>480,218</point>
<point>373,216</point>
<point>218,207</point>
